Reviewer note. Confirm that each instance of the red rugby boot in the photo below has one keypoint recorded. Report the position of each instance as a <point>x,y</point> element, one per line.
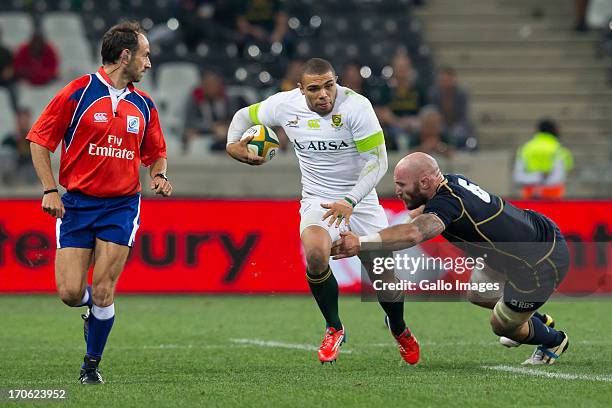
<point>408,347</point>
<point>328,352</point>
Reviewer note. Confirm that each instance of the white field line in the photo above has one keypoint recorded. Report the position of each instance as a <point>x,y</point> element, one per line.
<point>548,374</point>
<point>279,344</point>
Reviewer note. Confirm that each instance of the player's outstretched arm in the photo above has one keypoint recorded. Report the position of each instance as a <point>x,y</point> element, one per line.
<point>51,201</point>
<point>237,148</point>
<point>402,236</point>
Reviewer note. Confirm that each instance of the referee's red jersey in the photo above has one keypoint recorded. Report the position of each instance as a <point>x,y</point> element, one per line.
<point>105,134</point>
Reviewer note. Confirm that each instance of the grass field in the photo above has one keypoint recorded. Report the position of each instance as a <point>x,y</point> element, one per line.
<point>260,351</point>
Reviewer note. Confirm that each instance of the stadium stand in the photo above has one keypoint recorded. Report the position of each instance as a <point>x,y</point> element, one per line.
<point>16,27</point>
<point>519,61</point>
<point>522,61</point>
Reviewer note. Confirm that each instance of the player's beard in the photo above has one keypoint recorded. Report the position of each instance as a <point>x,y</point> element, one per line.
<point>415,200</point>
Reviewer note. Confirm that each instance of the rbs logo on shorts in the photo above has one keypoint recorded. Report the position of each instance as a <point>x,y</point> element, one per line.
<point>133,124</point>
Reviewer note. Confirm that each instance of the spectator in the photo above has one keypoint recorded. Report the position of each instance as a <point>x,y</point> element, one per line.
<point>207,19</point>
<point>430,134</point>
<point>264,21</point>
<point>581,7</point>
<point>542,164</point>
<point>209,111</point>
<point>16,151</point>
<point>6,71</point>
<point>398,102</point>
<point>351,78</point>
<point>292,75</point>
<point>453,102</point>
<point>36,61</point>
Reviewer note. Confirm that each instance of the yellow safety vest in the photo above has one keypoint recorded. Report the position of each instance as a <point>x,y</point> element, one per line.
<point>541,152</point>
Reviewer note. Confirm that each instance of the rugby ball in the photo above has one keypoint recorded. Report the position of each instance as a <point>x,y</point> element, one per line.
<point>265,143</point>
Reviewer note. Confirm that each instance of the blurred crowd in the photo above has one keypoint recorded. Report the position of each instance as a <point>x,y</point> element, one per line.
<point>434,120</point>
<point>418,111</point>
<point>35,62</point>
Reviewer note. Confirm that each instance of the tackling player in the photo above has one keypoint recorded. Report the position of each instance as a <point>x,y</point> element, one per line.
<point>525,251</point>
<point>340,147</point>
<point>108,128</point>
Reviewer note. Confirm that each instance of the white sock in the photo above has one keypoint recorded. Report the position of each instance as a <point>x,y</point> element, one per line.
<point>103,313</point>
<point>85,297</point>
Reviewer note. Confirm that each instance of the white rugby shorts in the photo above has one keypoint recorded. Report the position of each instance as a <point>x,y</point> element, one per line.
<point>367,218</point>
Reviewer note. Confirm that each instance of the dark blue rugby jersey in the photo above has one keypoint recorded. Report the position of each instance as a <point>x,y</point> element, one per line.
<point>483,220</point>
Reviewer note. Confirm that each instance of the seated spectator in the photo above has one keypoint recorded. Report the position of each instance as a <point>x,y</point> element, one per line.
<point>36,61</point>
<point>542,164</point>
<point>453,102</point>
<point>17,159</point>
<point>431,136</point>
<point>292,75</point>
<point>581,7</point>
<point>209,111</point>
<point>206,19</point>
<point>398,102</point>
<point>6,71</point>
<point>264,21</point>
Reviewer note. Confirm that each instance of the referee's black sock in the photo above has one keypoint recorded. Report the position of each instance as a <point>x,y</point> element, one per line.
<point>324,288</point>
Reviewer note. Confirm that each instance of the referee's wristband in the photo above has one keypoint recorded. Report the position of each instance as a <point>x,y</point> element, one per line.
<point>53,190</point>
<point>162,175</point>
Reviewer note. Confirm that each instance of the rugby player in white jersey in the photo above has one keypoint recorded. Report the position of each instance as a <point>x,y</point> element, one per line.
<point>341,151</point>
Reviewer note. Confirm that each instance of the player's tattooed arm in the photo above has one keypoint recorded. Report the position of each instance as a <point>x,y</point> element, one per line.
<point>422,228</point>
<point>402,236</point>
<point>428,226</point>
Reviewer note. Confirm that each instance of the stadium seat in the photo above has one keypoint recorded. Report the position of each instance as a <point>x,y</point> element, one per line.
<point>175,80</point>
<point>37,97</point>
<point>173,144</point>
<point>147,84</point>
<point>16,28</point>
<point>200,146</point>
<point>245,92</point>
<point>62,24</point>
<point>7,116</point>
<point>75,57</point>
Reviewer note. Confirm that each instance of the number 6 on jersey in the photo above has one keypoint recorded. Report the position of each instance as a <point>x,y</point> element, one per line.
<point>265,143</point>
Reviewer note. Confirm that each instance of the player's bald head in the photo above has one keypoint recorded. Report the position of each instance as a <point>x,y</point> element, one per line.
<point>417,177</point>
<point>418,165</point>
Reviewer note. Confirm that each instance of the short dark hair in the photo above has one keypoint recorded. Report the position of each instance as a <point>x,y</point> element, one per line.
<point>317,66</point>
<point>548,126</point>
<point>118,38</point>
